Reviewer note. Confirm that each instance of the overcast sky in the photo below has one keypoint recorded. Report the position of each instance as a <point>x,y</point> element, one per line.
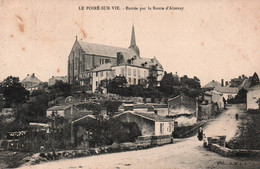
<point>208,39</point>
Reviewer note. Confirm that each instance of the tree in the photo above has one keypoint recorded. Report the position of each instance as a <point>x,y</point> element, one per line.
<point>13,91</point>
<point>60,89</point>
<point>116,85</point>
<point>166,84</point>
<point>152,78</point>
<point>241,96</point>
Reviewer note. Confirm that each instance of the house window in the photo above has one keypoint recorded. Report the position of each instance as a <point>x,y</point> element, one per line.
<point>161,127</point>
<point>113,73</point>
<point>170,127</point>
<point>134,81</point>
<point>96,74</point>
<point>134,72</point>
<point>138,73</point>
<point>129,71</point>
<point>101,73</point>
<point>96,83</point>
<point>129,81</point>
<point>145,73</point>
<point>122,71</point>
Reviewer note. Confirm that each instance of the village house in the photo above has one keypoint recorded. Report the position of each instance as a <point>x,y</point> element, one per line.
<point>54,79</point>
<point>31,83</point>
<point>150,124</point>
<point>228,92</point>
<point>89,64</point>
<point>253,97</point>
<point>214,97</point>
<point>160,109</point>
<point>211,85</point>
<point>69,112</point>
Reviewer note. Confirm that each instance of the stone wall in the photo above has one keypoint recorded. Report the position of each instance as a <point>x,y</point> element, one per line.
<point>154,140</point>
<point>234,152</point>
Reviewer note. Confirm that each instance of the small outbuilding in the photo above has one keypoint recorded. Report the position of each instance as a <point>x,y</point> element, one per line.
<point>150,124</point>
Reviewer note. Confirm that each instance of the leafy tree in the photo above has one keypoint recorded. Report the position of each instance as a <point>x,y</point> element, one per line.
<point>190,83</point>
<point>166,84</point>
<point>152,77</point>
<point>59,89</point>
<point>13,91</point>
<point>116,85</point>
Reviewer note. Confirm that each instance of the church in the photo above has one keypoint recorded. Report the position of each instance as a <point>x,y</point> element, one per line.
<point>89,63</point>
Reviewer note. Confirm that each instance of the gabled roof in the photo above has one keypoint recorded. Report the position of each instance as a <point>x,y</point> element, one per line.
<point>106,66</point>
<point>256,87</point>
<point>63,107</point>
<point>31,78</point>
<point>148,116</point>
<point>103,50</point>
<point>231,90</point>
<point>212,84</point>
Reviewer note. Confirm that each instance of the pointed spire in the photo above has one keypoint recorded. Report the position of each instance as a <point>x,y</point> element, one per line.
<point>133,43</point>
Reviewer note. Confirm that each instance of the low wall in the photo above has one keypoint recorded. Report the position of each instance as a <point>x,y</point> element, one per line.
<point>154,140</point>
<point>234,152</point>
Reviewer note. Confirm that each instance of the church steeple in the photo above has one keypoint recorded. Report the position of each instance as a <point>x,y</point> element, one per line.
<point>133,42</point>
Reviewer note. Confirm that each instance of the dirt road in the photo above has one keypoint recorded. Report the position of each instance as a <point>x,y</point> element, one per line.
<point>185,153</point>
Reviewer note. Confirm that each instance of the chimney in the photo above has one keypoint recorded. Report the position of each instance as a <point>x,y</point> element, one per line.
<point>222,82</point>
<point>243,76</point>
<point>239,77</point>
<point>27,74</point>
<point>33,75</point>
<point>226,83</point>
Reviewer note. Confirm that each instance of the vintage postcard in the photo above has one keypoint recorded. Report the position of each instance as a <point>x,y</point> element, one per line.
<point>129,84</point>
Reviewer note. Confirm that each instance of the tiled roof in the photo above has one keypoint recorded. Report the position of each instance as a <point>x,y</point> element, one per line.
<point>106,66</point>
<point>231,90</point>
<point>31,78</point>
<point>256,87</point>
<point>57,108</point>
<point>149,116</point>
<point>212,84</point>
<point>103,50</point>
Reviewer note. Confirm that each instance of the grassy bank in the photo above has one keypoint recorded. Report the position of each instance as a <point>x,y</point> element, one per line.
<point>249,132</point>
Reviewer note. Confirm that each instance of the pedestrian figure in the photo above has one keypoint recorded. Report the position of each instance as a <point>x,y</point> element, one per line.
<point>236,116</point>
<point>200,134</point>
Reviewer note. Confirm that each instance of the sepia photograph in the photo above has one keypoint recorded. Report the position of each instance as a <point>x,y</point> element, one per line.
<point>130,84</point>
